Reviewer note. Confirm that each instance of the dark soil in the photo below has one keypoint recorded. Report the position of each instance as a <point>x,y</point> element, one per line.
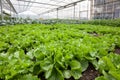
<point>94,34</point>
<point>117,50</point>
<point>81,29</point>
<point>41,76</point>
<point>90,73</point>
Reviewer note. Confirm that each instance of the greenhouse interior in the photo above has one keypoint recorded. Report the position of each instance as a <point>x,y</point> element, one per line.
<point>59,39</point>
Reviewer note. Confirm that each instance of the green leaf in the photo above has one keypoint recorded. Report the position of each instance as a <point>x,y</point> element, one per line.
<point>36,69</point>
<point>74,64</point>
<point>101,78</point>
<point>56,75</point>
<point>76,73</point>
<point>60,64</point>
<point>48,73</point>
<point>16,54</point>
<point>29,77</point>
<point>115,74</point>
<point>108,76</point>
<point>67,74</point>
<point>22,54</point>
<point>95,63</point>
<point>106,64</point>
<point>76,69</point>
<point>84,64</point>
<point>30,54</point>
<point>115,60</point>
<point>38,53</point>
<point>68,57</point>
<point>46,65</point>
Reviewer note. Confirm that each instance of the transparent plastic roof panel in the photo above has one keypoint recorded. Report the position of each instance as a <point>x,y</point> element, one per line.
<point>38,6</point>
<point>7,6</point>
<point>48,8</point>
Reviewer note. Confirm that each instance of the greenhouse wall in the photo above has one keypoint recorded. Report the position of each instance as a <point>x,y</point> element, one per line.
<point>106,9</point>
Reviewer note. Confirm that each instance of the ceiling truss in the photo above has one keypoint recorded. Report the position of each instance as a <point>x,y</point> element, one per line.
<point>62,7</point>
<point>39,3</point>
<point>11,5</point>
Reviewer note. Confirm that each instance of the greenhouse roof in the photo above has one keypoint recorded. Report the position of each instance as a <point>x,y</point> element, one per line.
<point>37,6</point>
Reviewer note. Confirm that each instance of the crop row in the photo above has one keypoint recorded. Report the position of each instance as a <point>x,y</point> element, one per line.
<point>58,52</point>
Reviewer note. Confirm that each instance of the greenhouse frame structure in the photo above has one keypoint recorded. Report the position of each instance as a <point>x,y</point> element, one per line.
<point>57,9</point>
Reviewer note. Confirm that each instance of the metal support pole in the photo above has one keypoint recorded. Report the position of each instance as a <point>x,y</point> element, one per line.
<point>79,15</point>
<point>106,10</point>
<point>2,17</point>
<point>87,9</point>
<point>119,11</point>
<point>74,12</point>
<point>113,9</point>
<point>92,9</point>
<point>16,17</point>
<point>10,15</point>
<point>79,11</point>
<point>103,4</point>
<point>57,13</point>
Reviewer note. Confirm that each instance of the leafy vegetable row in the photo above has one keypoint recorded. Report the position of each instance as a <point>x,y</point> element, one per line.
<point>58,52</point>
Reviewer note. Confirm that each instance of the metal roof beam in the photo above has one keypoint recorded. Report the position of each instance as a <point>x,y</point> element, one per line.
<point>31,6</point>
<point>39,3</point>
<point>9,2</point>
<point>62,7</point>
<point>58,1</point>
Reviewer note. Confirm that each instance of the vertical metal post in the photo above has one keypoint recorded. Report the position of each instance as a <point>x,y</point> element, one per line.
<point>10,15</point>
<point>113,9</point>
<point>79,11</point>
<point>57,13</point>
<point>102,10</point>
<point>16,17</point>
<point>2,18</point>
<point>92,9</point>
<point>106,12</point>
<point>74,12</point>
<point>87,9</point>
<point>119,11</point>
